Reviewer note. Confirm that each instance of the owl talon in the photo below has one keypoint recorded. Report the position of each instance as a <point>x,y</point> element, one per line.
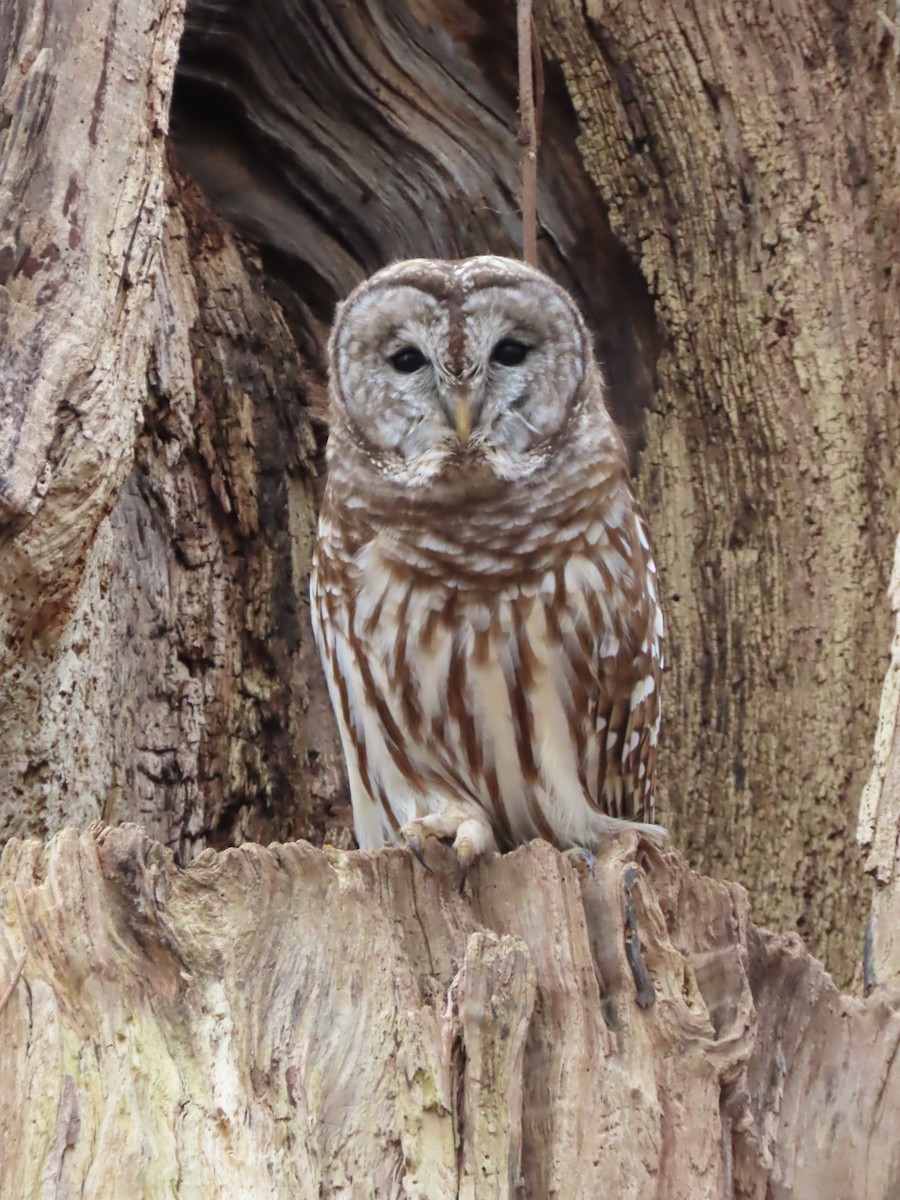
<point>416,847</point>
<point>471,836</point>
<point>467,853</point>
<point>464,865</point>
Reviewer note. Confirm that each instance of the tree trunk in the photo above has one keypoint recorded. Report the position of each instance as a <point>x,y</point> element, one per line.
<point>718,188</point>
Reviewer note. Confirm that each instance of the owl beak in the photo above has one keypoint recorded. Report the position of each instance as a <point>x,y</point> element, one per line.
<point>462,419</point>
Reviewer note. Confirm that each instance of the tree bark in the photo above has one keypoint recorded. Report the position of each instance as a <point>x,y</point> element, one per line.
<point>718,188</point>
<point>747,159</point>
<point>158,511</point>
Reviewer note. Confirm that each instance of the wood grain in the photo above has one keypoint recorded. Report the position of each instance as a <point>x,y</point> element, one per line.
<point>285,1022</point>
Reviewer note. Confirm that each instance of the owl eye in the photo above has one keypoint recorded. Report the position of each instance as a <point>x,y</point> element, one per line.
<point>407,360</point>
<point>509,352</point>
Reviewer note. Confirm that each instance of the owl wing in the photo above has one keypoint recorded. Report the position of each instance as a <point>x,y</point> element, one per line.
<point>627,715</point>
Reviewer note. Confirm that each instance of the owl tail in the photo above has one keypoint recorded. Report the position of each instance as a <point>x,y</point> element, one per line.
<point>606,827</point>
<point>658,835</point>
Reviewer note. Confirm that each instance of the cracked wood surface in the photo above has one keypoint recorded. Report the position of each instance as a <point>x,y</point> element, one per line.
<point>288,1022</point>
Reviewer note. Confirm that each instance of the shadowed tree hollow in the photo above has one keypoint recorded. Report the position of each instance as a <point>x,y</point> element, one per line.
<point>185,193</point>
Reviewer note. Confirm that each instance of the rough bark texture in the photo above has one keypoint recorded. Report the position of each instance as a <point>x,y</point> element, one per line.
<point>82,175</point>
<point>213,714</point>
<point>749,159</point>
<point>155,661</point>
<point>285,1022</point>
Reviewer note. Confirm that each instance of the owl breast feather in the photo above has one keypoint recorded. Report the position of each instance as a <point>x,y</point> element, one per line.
<point>528,699</point>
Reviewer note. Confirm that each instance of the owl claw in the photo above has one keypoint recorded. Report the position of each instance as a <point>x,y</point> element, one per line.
<point>416,846</point>
<point>465,861</point>
<point>471,836</point>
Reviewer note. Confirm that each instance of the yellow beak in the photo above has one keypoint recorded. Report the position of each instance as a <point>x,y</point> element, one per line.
<point>462,419</point>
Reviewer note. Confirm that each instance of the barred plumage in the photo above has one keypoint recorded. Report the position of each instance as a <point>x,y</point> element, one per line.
<point>484,596</point>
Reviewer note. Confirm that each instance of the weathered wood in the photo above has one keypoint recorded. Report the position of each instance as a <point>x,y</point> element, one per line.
<point>85,103</point>
<point>285,1022</point>
<point>718,189</point>
<point>221,730</point>
<point>83,115</point>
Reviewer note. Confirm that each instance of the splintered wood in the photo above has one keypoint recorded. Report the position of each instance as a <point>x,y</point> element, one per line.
<point>287,1022</point>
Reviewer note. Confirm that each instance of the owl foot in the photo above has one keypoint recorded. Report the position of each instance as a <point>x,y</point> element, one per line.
<point>581,859</point>
<point>471,836</point>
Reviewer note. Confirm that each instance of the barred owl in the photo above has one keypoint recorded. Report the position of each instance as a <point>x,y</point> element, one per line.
<point>484,597</point>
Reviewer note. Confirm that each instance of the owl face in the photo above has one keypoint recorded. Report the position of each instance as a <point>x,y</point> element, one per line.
<point>445,368</point>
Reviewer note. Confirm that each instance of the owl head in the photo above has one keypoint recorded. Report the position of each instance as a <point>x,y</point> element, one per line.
<point>455,370</point>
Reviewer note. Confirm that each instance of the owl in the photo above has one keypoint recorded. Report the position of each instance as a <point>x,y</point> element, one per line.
<point>484,596</point>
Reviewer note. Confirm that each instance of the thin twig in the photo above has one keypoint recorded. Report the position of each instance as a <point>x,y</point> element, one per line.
<point>537,67</point>
<point>528,130</point>
<point>11,986</point>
